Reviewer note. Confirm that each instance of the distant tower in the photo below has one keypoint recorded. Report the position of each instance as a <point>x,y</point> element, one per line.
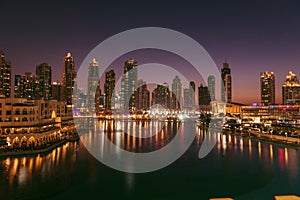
<point>5,77</point>
<point>69,78</point>
<point>128,85</point>
<point>93,79</point>
<point>203,95</point>
<point>227,85</point>
<point>291,89</point>
<point>44,73</point>
<point>267,88</point>
<point>142,96</point>
<point>109,87</point>
<point>211,84</point>
<point>192,93</point>
<point>176,93</point>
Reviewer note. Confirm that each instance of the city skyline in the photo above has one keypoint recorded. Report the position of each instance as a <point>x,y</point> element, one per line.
<point>69,58</point>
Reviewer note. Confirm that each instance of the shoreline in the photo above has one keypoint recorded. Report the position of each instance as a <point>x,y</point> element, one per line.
<point>37,151</point>
<point>268,140</point>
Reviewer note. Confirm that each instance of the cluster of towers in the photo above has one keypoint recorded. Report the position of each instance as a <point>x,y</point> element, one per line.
<point>39,86</point>
<point>290,89</point>
<point>134,96</point>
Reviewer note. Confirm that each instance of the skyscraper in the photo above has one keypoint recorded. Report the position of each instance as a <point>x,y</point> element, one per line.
<point>176,93</point>
<point>211,84</point>
<point>44,73</point>
<point>226,83</point>
<point>142,96</point>
<point>109,87</point>
<point>93,79</point>
<point>128,85</point>
<point>189,96</point>
<point>26,86</point>
<point>291,89</point>
<point>161,96</point>
<point>57,91</point>
<point>5,76</point>
<point>267,88</point>
<point>203,95</point>
<point>69,78</point>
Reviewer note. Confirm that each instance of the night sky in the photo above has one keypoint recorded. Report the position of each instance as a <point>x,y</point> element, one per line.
<point>254,36</point>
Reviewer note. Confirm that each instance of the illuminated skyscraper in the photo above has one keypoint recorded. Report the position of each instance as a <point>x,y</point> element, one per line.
<point>142,96</point>
<point>44,73</point>
<point>161,96</point>
<point>109,87</point>
<point>26,86</point>
<point>176,93</point>
<point>189,96</point>
<point>267,88</point>
<point>211,84</point>
<point>226,83</point>
<point>291,89</point>
<point>69,78</point>
<point>128,85</point>
<point>5,76</point>
<point>93,79</point>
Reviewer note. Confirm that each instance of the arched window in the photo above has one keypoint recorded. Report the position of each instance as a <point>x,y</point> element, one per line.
<point>17,111</point>
<point>24,119</point>
<point>24,112</point>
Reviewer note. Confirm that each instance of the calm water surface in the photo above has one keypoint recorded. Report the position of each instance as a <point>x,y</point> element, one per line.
<point>236,167</point>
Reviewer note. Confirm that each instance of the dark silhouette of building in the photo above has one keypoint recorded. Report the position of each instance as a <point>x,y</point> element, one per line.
<point>93,79</point>
<point>142,96</point>
<point>291,89</point>
<point>109,87</point>
<point>68,78</point>
<point>226,83</point>
<point>161,96</point>
<point>203,95</point>
<point>211,84</point>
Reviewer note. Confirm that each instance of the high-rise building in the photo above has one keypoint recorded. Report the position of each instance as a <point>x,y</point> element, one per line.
<point>5,77</point>
<point>291,89</point>
<point>142,96</point>
<point>161,96</point>
<point>211,84</point>
<point>189,96</point>
<point>176,93</point>
<point>69,78</point>
<point>26,86</point>
<point>93,79</point>
<point>226,83</point>
<point>44,73</point>
<point>109,87</point>
<point>267,88</point>
<point>57,91</point>
<point>203,95</point>
<point>128,85</point>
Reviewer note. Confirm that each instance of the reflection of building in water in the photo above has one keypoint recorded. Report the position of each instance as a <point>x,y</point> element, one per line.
<point>31,123</point>
<point>20,169</point>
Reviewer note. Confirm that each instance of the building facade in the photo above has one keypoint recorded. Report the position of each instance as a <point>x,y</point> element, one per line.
<point>291,89</point>
<point>44,74</point>
<point>93,80</point>
<point>267,88</point>
<point>5,77</point>
<point>226,87</point>
<point>68,78</point>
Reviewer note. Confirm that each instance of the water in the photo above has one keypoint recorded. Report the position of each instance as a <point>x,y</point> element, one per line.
<point>237,167</point>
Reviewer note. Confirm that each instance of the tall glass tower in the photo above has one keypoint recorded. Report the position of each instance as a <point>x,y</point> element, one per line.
<point>93,79</point>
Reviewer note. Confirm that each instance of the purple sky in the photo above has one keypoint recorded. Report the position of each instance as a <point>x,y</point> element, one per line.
<point>254,36</point>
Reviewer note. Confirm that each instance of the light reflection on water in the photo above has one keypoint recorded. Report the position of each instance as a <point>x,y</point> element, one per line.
<point>29,175</point>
